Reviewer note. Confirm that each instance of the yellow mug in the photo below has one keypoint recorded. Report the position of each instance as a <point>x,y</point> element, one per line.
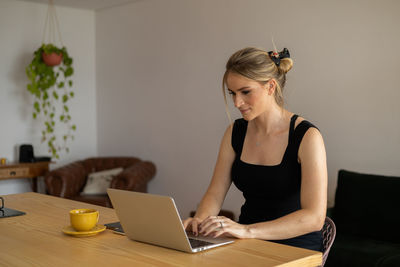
<point>84,219</point>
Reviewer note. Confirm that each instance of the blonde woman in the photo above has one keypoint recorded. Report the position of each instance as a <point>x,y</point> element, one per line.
<point>274,157</point>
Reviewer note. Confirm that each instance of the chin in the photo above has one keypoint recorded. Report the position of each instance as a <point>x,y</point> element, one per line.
<point>247,117</point>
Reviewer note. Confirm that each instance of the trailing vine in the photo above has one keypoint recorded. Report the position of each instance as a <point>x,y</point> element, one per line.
<point>51,87</point>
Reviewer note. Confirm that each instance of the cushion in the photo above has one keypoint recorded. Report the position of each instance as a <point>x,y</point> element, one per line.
<point>353,251</point>
<point>368,205</point>
<point>98,182</point>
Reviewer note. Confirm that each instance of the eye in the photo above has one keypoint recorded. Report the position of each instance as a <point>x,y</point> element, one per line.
<point>245,92</point>
<point>231,93</point>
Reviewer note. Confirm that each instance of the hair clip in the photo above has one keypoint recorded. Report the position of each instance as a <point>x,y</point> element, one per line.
<point>276,57</point>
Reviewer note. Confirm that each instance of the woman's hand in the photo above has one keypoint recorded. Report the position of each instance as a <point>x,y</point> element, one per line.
<point>216,226</point>
<point>192,224</point>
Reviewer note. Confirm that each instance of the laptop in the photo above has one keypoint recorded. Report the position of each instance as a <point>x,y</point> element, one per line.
<point>154,219</point>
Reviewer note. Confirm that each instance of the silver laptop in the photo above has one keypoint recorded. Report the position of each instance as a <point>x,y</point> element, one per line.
<point>155,220</point>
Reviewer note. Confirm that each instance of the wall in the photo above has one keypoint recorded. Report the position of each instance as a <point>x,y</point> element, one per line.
<point>159,69</point>
<point>21,30</point>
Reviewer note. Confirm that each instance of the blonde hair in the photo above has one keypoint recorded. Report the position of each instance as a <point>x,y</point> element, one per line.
<point>256,64</point>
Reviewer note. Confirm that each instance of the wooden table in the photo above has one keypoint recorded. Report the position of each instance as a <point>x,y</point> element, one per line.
<point>35,239</point>
<point>24,170</point>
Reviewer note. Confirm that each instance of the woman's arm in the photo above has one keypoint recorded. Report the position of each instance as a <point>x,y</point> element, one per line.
<point>313,197</point>
<point>221,180</point>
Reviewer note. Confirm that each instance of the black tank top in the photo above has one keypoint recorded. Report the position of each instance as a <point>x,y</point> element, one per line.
<point>271,192</point>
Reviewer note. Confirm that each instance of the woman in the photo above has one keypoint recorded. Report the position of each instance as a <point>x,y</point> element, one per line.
<point>274,157</point>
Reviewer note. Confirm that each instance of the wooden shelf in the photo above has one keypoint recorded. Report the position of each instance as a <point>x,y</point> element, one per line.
<point>24,170</point>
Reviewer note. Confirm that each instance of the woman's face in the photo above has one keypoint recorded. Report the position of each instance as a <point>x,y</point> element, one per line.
<point>250,97</point>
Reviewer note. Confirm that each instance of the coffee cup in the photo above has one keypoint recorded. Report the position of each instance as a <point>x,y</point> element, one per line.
<point>84,219</point>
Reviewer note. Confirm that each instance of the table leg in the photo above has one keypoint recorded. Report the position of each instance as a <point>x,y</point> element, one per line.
<point>34,184</point>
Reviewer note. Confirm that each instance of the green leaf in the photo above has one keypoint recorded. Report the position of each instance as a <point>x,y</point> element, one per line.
<point>34,115</point>
<point>37,107</point>
<point>71,94</point>
<point>62,118</point>
<point>51,115</point>
<point>66,108</point>
<point>73,127</point>
<point>65,98</point>
<point>67,61</point>
<point>50,48</point>
<point>70,83</point>
<point>61,85</point>
<point>29,87</point>
<point>68,72</point>
<point>55,95</point>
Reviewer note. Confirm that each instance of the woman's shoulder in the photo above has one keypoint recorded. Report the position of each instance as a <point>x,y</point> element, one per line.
<point>302,123</point>
<point>305,131</point>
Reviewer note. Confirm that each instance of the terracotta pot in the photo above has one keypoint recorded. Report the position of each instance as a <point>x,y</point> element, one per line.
<point>52,59</point>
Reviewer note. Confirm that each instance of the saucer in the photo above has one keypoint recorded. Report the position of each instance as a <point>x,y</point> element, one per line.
<point>69,230</point>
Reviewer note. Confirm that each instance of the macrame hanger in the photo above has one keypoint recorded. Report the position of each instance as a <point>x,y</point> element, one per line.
<point>51,26</point>
<point>273,44</point>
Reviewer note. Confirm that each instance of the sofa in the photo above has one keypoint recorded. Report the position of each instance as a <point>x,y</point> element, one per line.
<point>367,218</point>
<point>69,181</point>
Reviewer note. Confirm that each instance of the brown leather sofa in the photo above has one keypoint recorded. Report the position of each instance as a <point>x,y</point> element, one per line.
<point>68,181</point>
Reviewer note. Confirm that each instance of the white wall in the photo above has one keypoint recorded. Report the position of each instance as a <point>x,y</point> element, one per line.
<point>159,70</point>
<point>21,29</point>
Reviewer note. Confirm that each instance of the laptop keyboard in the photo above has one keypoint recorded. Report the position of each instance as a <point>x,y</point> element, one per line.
<point>195,243</point>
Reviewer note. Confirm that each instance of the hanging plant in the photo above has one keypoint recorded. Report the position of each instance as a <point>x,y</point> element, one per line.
<point>51,86</point>
<point>50,83</point>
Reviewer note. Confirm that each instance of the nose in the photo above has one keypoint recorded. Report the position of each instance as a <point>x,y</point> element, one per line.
<point>237,101</point>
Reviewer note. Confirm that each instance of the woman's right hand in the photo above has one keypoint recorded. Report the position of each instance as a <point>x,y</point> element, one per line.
<point>192,224</point>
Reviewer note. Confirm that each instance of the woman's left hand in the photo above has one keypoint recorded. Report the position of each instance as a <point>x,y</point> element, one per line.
<point>216,226</point>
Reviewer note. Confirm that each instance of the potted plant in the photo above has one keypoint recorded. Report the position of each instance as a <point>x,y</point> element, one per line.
<point>50,83</point>
<point>52,55</point>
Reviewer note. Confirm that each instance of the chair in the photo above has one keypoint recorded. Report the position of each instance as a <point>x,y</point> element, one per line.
<point>367,220</point>
<point>328,236</point>
<point>69,181</point>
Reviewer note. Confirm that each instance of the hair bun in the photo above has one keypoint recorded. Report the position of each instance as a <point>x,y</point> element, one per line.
<point>282,60</point>
<point>285,65</point>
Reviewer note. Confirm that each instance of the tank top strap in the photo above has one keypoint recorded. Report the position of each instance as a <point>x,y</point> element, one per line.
<point>299,133</point>
<point>238,134</point>
<point>291,128</point>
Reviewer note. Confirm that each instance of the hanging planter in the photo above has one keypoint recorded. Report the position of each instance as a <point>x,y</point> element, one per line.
<point>50,83</point>
<point>52,59</point>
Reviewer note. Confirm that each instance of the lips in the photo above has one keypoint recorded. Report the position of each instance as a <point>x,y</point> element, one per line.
<point>244,110</point>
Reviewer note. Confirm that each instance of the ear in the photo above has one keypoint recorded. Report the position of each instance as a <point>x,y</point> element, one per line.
<point>271,86</point>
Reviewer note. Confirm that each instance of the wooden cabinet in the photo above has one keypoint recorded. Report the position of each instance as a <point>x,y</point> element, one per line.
<point>24,170</point>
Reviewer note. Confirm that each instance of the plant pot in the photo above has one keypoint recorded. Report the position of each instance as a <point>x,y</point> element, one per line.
<point>52,59</point>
